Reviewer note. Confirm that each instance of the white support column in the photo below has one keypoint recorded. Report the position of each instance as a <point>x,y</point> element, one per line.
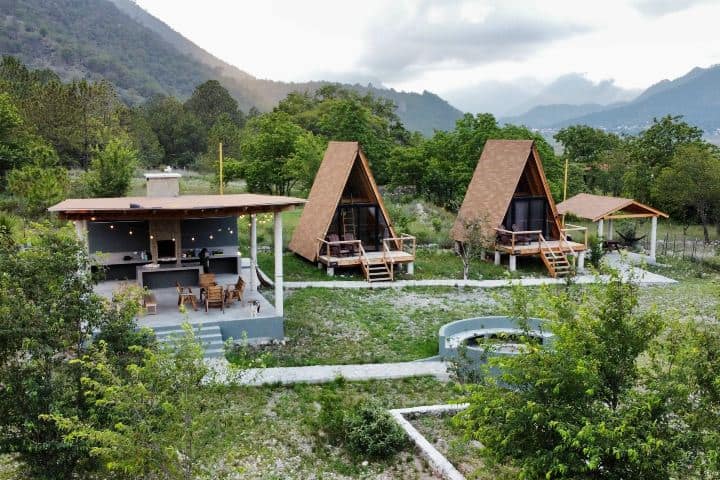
<point>513,263</point>
<point>278,253</point>
<point>581,261</point>
<point>610,229</point>
<point>253,253</point>
<point>653,238</point>
<point>411,268</point>
<point>600,228</point>
<point>497,257</point>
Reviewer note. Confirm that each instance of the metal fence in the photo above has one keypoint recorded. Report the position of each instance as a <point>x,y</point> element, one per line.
<point>684,247</point>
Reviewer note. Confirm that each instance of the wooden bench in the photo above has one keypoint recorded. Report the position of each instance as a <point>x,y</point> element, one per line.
<point>150,303</point>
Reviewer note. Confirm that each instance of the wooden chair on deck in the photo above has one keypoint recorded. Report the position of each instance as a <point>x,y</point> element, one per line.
<point>335,250</point>
<point>215,296</point>
<point>185,294</point>
<point>503,238</point>
<point>524,238</point>
<point>235,292</point>
<point>206,280</point>
<point>351,248</point>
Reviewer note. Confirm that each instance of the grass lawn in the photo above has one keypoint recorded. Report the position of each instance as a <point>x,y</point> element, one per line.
<point>273,432</point>
<point>326,326</point>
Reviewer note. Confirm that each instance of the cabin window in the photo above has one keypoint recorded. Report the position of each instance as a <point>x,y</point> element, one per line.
<point>529,213</point>
<point>363,222</point>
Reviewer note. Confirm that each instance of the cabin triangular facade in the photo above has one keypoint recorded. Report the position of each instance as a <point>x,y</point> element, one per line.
<point>510,193</point>
<point>344,203</point>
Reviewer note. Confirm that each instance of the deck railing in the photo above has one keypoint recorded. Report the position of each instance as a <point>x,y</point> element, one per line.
<point>325,247</point>
<point>404,243</point>
<point>574,228</point>
<point>517,236</point>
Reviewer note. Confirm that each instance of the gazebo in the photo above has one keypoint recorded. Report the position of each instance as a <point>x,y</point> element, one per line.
<point>599,208</point>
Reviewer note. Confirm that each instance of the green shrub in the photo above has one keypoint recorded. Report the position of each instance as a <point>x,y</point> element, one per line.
<point>365,428</point>
<point>596,250</point>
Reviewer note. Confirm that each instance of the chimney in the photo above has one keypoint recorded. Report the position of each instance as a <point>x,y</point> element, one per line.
<point>162,184</point>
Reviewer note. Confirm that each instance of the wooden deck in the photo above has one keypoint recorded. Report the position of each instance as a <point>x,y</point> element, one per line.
<point>373,258</point>
<point>533,248</point>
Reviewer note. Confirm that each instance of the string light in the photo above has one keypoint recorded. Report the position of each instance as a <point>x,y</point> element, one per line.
<point>112,227</point>
<point>211,237</point>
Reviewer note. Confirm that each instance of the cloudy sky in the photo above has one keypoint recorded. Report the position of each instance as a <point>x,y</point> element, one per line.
<point>452,45</point>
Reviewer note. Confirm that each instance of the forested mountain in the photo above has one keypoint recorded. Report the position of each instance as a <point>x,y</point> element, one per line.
<point>695,96</point>
<point>118,41</point>
<point>544,116</point>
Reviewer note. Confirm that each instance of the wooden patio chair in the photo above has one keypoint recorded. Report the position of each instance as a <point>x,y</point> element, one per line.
<point>185,294</point>
<point>503,238</point>
<point>521,238</point>
<point>350,248</point>
<point>235,291</point>
<point>335,250</point>
<point>215,296</point>
<point>206,280</point>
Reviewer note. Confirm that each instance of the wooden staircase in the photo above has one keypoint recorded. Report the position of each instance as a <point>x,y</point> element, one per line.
<point>378,272</point>
<point>555,260</point>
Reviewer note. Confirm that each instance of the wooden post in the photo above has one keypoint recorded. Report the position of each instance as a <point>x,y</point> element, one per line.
<point>220,156</point>
<point>253,252</point>
<point>565,187</point>
<point>278,253</point>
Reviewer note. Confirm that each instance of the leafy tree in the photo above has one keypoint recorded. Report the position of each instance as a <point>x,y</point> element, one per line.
<point>652,151</point>
<point>40,184</point>
<point>692,180</point>
<point>179,131</point>
<point>111,170</point>
<point>277,154</point>
<point>580,408</point>
<point>75,118</point>
<point>210,100</point>
<point>47,314</point>
<point>587,146</point>
<point>150,152</point>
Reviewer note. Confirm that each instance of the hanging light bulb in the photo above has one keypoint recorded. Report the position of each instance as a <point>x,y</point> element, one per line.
<point>130,232</point>
<point>192,239</point>
<point>211,237</point>
<point>112,227</point>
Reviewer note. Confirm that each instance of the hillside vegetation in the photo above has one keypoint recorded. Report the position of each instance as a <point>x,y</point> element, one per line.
<point>119,42</point>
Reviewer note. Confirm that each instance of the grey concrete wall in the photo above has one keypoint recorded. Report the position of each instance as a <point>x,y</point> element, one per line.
<point>265,328</point>
<point>196,232</point>
<point>102,238</point>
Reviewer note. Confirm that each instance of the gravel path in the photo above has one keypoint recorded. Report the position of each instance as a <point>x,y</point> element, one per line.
<point>328,373</point>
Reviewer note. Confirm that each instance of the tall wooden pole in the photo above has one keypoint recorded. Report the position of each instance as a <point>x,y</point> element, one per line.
<point>221,166</point>
<point>565,188</point>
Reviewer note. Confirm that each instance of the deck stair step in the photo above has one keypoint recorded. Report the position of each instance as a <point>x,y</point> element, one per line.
<point>555,261</point>
<point>209,335</point>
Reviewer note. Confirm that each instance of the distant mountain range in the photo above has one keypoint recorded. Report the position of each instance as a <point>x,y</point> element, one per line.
<point>142,56</point>
<point>695,96</point>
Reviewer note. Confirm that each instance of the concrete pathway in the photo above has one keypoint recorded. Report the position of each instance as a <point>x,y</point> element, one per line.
<point>639,275</point>
<point>328,373</point>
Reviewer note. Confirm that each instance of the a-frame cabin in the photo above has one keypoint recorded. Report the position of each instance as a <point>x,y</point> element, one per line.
<point>510,195</point>
<point>345,224</point>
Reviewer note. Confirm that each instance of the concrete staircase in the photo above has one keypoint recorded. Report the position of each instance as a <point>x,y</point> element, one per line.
<point>208,333</point>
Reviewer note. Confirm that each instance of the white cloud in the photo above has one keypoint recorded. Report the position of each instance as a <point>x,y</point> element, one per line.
<point>450,45</point>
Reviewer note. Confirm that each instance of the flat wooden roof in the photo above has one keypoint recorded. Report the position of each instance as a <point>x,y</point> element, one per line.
<point>597,207</point>
<point>184,206</point>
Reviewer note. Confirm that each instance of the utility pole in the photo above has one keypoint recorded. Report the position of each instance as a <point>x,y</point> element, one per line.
<point>220,154</point>
<point>565,187</point>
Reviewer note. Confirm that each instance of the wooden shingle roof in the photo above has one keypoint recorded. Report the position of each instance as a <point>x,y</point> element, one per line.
<point>326,193</point>
<point>495,180</point>
<point>596,207</point>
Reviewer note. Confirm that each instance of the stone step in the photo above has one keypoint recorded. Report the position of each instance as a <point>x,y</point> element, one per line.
<point>210,337</point>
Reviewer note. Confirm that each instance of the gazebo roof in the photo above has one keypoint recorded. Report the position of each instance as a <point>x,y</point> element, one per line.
<point>183,206</point>
<point>598,207</point>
